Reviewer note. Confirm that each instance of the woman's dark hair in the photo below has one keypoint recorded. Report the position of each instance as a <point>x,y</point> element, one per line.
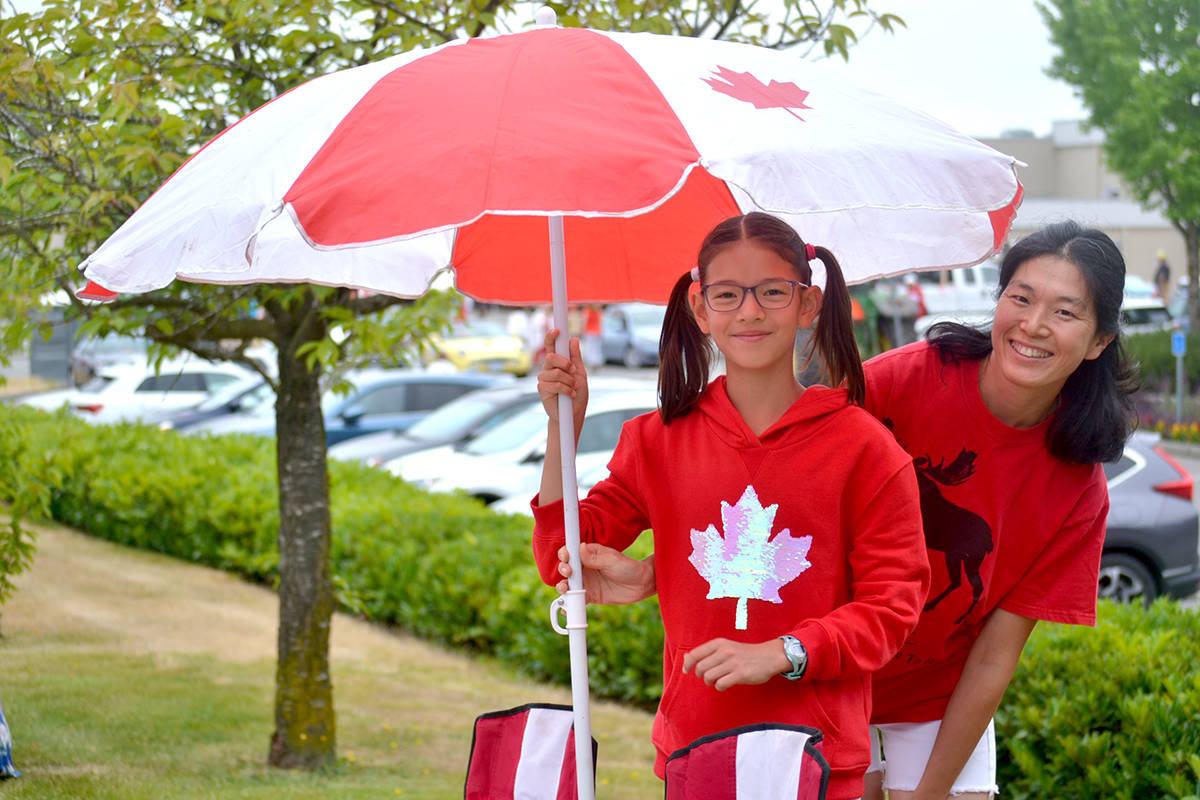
<point>684,351</point>
<point>1095,414</point>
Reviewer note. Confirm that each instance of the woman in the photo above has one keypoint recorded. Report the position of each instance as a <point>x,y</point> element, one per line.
<point>1007,430</point>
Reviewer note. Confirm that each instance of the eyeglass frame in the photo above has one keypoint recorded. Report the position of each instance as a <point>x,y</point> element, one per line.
<point>704,287</point>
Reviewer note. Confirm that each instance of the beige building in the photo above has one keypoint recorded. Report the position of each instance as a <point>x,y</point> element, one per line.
<point>1066,178</point>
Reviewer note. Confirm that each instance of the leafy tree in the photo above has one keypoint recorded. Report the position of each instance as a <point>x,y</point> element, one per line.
<point>1136,64</point>
<point>100,100</point>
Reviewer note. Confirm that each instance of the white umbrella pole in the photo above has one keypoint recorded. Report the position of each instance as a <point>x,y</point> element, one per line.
<point>573,601</point>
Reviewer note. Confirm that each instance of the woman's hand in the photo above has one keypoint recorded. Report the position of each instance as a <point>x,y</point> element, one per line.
<point>723,663</point>
<point>609,576</point>
<point>563,375</point>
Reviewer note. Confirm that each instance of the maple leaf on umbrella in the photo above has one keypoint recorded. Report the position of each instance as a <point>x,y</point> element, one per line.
<point>744,86</point>
<point>746,562</point>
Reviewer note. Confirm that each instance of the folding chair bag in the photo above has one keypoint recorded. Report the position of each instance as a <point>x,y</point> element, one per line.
<point>754,762</point>
<point>524,753</point>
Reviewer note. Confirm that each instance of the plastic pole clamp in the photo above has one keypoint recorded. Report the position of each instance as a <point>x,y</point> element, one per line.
<point>574,605</point>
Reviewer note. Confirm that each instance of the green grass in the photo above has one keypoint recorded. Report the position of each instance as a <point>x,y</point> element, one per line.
<point>104,703</point>
<point>95,724</point>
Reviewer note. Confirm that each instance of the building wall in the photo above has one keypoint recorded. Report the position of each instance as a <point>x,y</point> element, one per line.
<point>1066,178</point>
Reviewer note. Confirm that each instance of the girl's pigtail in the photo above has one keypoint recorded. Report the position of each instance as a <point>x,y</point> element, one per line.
<point>834,335</point>
<point>684,353</point>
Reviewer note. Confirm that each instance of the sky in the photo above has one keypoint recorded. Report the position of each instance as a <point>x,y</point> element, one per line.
<point>978,65</point>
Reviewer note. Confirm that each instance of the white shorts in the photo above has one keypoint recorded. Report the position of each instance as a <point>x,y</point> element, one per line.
<point>907,746</point>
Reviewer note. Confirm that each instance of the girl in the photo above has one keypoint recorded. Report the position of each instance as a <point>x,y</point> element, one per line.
<point>1007,429</point>
<point>786,521</point>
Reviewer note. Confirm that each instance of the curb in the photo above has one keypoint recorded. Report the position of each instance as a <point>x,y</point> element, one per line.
<point>1185,449</point>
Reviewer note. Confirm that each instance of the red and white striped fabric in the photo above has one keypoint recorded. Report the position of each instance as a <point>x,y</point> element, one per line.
<point>524,753</point>
<point>780,762</point>
<point>379,176</point>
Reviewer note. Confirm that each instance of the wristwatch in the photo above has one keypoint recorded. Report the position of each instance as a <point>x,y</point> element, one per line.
<point>796,654</point>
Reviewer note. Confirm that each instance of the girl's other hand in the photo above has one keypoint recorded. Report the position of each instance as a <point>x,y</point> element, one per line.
<point>609,576</point>
<point>563,375</point>
<point>723,663</point>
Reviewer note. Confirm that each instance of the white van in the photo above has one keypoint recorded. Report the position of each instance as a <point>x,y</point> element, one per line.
<point>960,290</point>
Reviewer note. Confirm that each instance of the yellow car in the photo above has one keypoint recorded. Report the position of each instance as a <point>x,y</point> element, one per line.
<point>484,347</point>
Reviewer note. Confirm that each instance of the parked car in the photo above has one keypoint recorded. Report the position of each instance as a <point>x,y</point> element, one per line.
<point>519,503</point>
<point>484,346</point>
<point>629,333</point>
<point>130,392</point>
<point>507,460</point>
<point>379,400</point>
<point>243,396</point>
<point>1144,315</point>
<point>1150,545</point>
<point>89,354</point>
<point>459,420</point>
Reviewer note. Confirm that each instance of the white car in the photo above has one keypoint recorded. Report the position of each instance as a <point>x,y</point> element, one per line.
<point>519,503</point>
<point>134,391</point>
<point>507,460</point>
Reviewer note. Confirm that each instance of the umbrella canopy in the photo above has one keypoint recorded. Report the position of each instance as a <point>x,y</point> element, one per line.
<point>379,176</point>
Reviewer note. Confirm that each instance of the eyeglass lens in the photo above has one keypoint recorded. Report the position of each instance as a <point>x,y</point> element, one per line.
<point>729,296</point>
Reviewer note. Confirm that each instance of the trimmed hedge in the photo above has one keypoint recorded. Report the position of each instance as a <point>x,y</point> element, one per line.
<point>1108,712</point>
<point>441,566</point>
<point>1152,352</point>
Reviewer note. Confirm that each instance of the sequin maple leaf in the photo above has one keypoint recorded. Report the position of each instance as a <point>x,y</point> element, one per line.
<point>746,562</point>
<point>747,88</point>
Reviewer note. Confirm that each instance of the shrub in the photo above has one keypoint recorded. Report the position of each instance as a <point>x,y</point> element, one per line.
<point>1111,712</point>
<point>1152,352</point>
<point>444,567</point>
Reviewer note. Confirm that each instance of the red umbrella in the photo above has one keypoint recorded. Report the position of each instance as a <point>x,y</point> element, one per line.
<point>632,146</point>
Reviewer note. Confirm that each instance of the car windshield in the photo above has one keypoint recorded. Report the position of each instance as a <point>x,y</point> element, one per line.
<point>459,417</point>
<point>255,394</point>
<point>479,328</point>
<point>647,315</point>
<point>510,434</point>
<point>96,384</point>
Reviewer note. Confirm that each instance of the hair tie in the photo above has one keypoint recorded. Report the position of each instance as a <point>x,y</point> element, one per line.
<point>696,274</point>
<point>810,252</point>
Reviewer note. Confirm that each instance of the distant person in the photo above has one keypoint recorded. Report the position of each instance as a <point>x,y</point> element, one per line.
<point>1162,276</point>
<point>786,522</point>
<point>593,321</point>
<point>535,333</point>
<point>516,323</point>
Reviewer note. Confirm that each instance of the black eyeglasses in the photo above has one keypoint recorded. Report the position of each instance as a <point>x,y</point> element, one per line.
<point>771,294</point>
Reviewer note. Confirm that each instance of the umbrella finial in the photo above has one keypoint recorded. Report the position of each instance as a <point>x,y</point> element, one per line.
<point>545,17</point>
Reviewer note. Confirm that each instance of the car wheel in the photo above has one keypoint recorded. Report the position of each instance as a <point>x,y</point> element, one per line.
<point>1125,579</point>
<point>632,359</point>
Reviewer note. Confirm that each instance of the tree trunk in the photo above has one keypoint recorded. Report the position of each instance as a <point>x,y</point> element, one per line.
<point>304,735</point>
<point>1191,238</point>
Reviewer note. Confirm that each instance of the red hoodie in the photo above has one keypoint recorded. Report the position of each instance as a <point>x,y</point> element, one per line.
<point>812,529</point>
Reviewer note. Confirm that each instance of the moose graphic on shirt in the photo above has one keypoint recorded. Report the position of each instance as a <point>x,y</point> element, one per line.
<point>963,537</point>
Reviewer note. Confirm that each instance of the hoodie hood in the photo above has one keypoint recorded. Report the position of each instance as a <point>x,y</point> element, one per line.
<point>727,424</point>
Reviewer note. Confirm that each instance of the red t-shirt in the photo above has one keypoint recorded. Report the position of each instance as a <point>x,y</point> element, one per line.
<point>810,529</point>
<point>1007,525</point>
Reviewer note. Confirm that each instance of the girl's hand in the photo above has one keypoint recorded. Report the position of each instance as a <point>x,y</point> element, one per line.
<point>562,375</point>
<point>609,576</point>
<point>723,663</point>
